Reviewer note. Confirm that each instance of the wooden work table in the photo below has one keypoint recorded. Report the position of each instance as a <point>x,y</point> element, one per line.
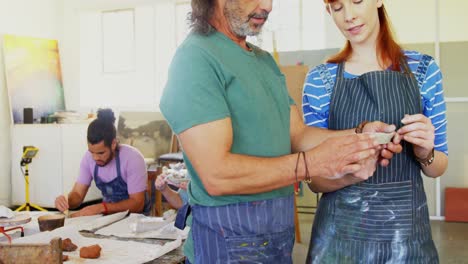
<point>173,257</point>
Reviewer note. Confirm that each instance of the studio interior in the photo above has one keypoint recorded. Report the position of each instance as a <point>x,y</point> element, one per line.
<point>73,71</point>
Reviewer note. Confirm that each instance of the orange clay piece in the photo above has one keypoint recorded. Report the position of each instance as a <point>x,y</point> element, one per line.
<point>68,246</point>
<point>91,252</point>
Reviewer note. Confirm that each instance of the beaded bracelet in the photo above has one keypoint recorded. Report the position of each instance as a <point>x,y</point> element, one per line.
<point>307,176</point>
<point>105,208</point>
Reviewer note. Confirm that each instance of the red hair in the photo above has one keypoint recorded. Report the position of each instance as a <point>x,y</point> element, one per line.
<point>389,51</point>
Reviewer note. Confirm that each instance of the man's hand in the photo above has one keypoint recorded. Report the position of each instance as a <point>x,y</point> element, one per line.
<point>90,210</point>
<point>341,155</point>
<point>389,149</point>
<point>368,166</point>
<point>61,203</point>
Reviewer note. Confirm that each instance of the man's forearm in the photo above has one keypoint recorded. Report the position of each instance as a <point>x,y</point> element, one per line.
<point>305,137</point>
<point>311,137</point>
<point>131,204</point>
<point>74,200</point>
<point>231,174</point>
<point>241,174</point>
<point>225,173</point>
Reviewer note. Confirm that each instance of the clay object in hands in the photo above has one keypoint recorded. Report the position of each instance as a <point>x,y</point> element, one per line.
<point>383,138</point>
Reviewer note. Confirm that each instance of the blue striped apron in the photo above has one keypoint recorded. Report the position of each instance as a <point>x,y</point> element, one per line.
<point>384,219</point>
<point>247,232</point>
<point>117,190</point>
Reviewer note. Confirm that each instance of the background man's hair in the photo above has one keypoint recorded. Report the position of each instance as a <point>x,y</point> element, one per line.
<point>202,12</point>
<point>102,128</point>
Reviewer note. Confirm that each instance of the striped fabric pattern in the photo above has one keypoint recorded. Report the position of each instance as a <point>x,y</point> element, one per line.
<point>376,252</point>
<point>370,99</point>
<point>316,97</point>
<point>248,232</point>
<point>389,210</point>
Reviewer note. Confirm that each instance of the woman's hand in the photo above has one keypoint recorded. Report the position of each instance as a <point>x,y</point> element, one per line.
<point>183,185</point>
<point>419,131</point>
<point>161,183</point>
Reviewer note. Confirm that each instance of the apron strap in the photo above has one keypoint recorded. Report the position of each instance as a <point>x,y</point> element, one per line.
<point>326,77</point>
<point>422,69</point>
<point>182,215</point>
<point>117,164</point>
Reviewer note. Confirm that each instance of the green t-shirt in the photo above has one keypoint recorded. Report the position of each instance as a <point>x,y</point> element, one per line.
<point>212,78</point>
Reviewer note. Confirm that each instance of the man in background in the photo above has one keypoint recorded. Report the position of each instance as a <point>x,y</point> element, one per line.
<point>118,170</point>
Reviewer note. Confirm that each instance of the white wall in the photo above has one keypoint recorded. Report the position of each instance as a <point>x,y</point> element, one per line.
<point>27,18</point>
<point>59,19</point>
<point>406,22</point>
<point>453,20</point>
<point>164,46</point>
<point>414,22</point>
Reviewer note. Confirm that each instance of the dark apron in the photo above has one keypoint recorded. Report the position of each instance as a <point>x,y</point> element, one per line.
<point>248,232</point>
<point>116,190</point>
<point>384,219</point>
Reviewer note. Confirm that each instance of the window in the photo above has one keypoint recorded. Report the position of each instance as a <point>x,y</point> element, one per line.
<point>292,25</point>
<point>117,65</point>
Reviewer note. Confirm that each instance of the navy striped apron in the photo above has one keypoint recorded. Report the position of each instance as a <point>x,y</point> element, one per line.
<point>117,190</point>
<point>384,219</point>
<point>248,232</point>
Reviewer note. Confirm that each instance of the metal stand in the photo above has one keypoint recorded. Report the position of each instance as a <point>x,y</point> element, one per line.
<point>27,205</point>
<point>3,231</point>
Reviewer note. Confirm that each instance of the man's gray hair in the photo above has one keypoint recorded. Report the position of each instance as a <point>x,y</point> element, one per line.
<point>202,11</point>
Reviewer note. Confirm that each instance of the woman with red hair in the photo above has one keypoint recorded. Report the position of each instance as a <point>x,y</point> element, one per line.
<point>385,218</point>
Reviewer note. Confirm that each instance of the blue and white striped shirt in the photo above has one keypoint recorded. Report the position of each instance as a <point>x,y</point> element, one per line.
<point>316,99</point>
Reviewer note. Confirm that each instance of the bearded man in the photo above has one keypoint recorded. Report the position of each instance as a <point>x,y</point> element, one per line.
<point>243,139</point>
<point>118,170</point>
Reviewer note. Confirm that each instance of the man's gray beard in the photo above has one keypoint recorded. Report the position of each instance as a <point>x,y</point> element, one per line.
<point>239,27</point>
<point>244,29</point>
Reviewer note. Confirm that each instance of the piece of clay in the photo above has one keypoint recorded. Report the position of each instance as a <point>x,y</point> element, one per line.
<point>384,138</point>
<point>91,252</point>
<point>68,246</point>
<point>64,258</point>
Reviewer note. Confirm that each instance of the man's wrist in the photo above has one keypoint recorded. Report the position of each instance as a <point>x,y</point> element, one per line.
<point>105,210</point>
<point>360,127</point>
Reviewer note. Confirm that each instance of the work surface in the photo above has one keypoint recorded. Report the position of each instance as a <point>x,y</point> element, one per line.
<point>115,249</point>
